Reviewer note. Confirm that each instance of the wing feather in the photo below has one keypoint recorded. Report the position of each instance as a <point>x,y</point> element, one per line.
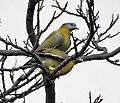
<point>52,41</point>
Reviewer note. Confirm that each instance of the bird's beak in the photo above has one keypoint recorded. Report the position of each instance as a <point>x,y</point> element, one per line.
<point>76,28</point>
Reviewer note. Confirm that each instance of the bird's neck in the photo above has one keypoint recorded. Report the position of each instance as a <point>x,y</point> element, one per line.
<point>64,31</point>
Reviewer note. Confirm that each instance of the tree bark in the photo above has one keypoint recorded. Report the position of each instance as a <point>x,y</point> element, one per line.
<point>50,92</point>
<point>29,20</point>
<point>50,84</point>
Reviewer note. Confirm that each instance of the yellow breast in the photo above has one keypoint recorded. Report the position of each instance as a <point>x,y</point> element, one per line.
<point>66,39</point>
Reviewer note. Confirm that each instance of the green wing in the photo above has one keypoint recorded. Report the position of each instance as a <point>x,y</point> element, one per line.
<point>52,40</point>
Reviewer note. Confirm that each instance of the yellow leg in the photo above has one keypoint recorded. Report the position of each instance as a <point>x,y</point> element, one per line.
<point>52,68</point>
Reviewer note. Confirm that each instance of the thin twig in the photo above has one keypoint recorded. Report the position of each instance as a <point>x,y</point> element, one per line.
<point>111,25</point>
<point>109,36</point>
<point>2,73</point>
<point>115,62</point>
<point>48,25</point>
<point>75,45</point>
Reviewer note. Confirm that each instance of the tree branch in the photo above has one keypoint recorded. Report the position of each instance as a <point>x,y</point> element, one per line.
<point>111,25</point>
<point>115,62</point>
<point>13,53</point>
<point>97,99</point>
<point>101,56</point>
<point>29,20</point>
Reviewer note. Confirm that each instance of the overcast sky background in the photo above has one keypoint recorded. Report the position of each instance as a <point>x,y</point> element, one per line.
<point>99,77</point>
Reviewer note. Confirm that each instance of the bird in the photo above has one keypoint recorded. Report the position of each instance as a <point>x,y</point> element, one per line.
<point>59,39</point>
<point>51,58</point>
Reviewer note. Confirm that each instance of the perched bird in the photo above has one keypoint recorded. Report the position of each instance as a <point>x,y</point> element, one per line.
<point>51,58</point>
<point>59,39</point>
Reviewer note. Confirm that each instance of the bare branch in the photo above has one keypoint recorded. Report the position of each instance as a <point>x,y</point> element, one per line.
<point>75,45</point>
<point>39,8</point>
<point>115,62</point>
<point>13,53</point>
<point>90,98</point>
<point>97,99</point>
<point>111,25</point>
<point>80,42</point>
<point>101,56</point>
<point>13,45</point>
<point>87,52</point>
<point>99,48</point>
<point>2,73</point>
<point>4,58</point>
<point>29,73</point>
<point>32,88</point>
<point>29,20</point>
<point>54,17</point>
<point>79,10</point>
<point>16,69</point>
<point>38,18</point>
<point>34,55</point>
<point>93,29</point>
<point>48,25</point>
<point>109,36</point>
<point>17,84</point>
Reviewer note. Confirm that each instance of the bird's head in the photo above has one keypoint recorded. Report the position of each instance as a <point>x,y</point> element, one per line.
<point>70,26</point>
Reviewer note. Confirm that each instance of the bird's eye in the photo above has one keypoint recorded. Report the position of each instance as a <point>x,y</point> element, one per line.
<point>72,24</point>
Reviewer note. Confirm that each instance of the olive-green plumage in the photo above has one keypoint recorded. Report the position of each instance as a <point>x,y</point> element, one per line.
<point>52,50</point>
<point>51,58</point>
<point>59,39</point>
